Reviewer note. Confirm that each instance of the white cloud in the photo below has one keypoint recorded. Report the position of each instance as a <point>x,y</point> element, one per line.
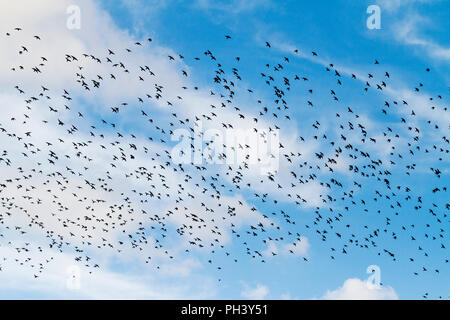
<point>257,293</point>
<point>47,19</point>
<point>299,248</point>
<point>271,249</point>
<point>101,284</point>
<point>356,289</point>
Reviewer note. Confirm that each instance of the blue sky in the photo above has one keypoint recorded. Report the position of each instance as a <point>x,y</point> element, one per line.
<point>412,38</point>
<point>337,31</point>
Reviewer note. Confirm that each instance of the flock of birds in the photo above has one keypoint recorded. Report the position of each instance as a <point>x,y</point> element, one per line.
<point>100,183</point>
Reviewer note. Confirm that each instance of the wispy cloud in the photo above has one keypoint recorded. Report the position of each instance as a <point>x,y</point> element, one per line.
<point>407,32</point>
